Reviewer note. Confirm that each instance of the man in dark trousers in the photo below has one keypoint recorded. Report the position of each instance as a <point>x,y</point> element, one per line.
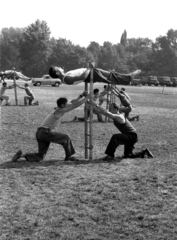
<point>127,136</point>
<point>47,132</point>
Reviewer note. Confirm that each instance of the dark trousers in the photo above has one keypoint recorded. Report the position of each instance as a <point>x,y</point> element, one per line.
<point>128,140</point>
<point>44,137</point>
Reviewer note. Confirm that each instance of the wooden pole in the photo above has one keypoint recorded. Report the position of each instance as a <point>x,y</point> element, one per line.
<point>91,116</point>
<point>15,88</point>
<point>86,124</point>
<point>89,123</point>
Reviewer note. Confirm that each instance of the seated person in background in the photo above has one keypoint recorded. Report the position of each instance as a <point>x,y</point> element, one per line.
<point>99,116</point>
<point>102,97</point>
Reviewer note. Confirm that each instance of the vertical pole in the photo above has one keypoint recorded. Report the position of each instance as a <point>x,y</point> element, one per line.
<point>163,89</point>
<point>86,124</point>
<point>15,88</point>
<point>89,127</point>
<point>91,117</point>
<point>108,101</point>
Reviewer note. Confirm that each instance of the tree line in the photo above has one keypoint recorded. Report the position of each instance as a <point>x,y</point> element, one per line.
<point>32,51</point>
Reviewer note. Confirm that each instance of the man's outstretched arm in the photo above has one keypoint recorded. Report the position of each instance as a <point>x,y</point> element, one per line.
<point>74,105</point>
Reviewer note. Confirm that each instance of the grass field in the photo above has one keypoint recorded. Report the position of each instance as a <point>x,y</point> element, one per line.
<point>130,199</point>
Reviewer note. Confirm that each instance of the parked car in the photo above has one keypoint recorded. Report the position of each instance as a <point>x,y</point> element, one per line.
<point>135,82</point>
<point>46,80</point>
<point>174,81</point>
<point>150,80</point>
<point>165,81</point>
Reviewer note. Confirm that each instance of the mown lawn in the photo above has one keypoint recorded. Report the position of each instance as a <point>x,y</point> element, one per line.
<point>130,199</point>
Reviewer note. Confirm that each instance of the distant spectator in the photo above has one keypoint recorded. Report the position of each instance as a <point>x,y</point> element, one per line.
<point>99,116</point>
<point>102,97</point>
<point>30,96</point>
<point>2,93</point>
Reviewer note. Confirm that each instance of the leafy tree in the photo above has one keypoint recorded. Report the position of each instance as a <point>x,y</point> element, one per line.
<point>9,45</point>
<point>67,55</point>
<point>123,39</point>
<point>139,51</point>
<point>164,58</point>
<point>107,56</point>
<point>94,50</point>
<point>35,49</point>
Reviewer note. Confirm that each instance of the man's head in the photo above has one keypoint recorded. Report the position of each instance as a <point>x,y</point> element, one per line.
<point>114,108</point>
<point>4,84</point>
<point>56,72</point>
<point>62,102</point>
<point>96,91</point>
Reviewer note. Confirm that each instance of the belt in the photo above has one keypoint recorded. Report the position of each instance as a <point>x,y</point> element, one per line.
<point>45,128</point>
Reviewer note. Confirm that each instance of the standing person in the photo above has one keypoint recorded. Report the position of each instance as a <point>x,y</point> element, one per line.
<point>125,106</point>
<point>46,133</point>
<point>102,97</point>
<point>30,95</point>
<point>127,136</point>
<point>2,93</point>
<point>87,109</point>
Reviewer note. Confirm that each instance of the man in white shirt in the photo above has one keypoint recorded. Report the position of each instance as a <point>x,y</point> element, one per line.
<point>47,132</point>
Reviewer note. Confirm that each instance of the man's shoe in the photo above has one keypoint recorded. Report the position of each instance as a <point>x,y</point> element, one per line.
<point>108,158</point>
<point>149,153</point>
<point>70,159</point>
<point>75,119</point>
<point>17,156</point>
<point>135,74</point>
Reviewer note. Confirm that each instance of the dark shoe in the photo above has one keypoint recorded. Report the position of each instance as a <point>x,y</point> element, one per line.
<point>75,119</point>
<point>135,74</point>
<point>108,158</point>
<point>149,154</point>
<point>17,156</point>
<point>70,159</point>
<point>140,154</point>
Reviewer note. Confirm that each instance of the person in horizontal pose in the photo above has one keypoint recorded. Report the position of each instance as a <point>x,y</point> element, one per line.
<point>128,135</point>
<point>3,96</point>
<point>11,74</point>
<point>47,132</point>
<point>99,75</point>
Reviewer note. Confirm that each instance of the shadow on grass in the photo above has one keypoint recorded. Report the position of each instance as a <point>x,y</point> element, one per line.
<point>54,162</point>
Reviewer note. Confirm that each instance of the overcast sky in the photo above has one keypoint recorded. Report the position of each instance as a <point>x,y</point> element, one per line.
<point>84,21</point>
